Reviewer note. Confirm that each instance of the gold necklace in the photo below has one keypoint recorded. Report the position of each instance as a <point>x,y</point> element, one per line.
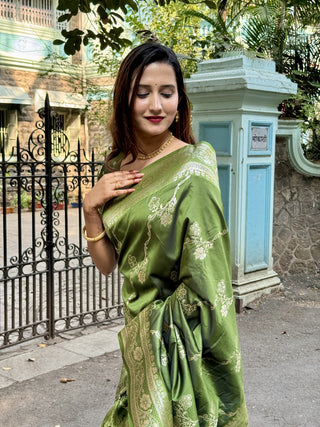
<point>157,151</point>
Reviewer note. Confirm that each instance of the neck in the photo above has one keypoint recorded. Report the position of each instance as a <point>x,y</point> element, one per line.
<point>150,144</point>
<point>157,151</point>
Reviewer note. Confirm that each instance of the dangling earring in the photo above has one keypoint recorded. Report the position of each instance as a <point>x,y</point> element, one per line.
<point>177,116</point>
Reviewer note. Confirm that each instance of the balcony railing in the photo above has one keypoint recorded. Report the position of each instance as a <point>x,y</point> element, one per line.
<point>34,12</point>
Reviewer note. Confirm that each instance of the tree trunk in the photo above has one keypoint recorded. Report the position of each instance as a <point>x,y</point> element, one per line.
<point>222,8</point>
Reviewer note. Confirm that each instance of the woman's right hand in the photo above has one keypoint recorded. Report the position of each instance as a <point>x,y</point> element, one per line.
<point>109,186</point>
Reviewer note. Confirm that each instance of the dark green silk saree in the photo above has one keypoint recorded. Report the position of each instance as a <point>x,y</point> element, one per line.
<point>180,347</point>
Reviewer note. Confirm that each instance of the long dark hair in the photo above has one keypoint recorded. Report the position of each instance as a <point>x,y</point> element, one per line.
<point>131,69</point>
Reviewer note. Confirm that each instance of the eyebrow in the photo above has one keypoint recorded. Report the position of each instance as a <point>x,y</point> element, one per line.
<point>162,86</point>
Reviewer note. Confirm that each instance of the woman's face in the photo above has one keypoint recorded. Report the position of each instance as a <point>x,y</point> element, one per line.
<point>156,103</point>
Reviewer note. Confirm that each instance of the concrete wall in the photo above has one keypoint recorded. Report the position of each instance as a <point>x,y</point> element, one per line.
<point>296,225</point>
<point>30,81</point>
<point>95,135</point>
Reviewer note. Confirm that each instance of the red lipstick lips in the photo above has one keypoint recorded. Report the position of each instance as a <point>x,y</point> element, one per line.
<point>154,119</point>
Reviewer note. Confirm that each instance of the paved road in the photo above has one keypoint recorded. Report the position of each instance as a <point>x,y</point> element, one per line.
<point>280,340</point>
<point>24,301</point>
<point>27,230</point>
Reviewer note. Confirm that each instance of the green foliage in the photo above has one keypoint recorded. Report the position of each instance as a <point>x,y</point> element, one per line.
<point>280,31</point>
<point>220,37</point>
<point>25,200</point>
<point>198,30</point>
<point>108,15</point>
<point>308,111</point>
<point>99,114</point>
<point>172,26</point>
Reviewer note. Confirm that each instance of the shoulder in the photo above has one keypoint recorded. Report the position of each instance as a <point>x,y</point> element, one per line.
<point>204,152</point>
<point>199,164</point>
<point>111,166</point>
<point>201,153</point>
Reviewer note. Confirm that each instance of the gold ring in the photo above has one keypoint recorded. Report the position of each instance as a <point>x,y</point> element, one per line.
<point>116,185</point>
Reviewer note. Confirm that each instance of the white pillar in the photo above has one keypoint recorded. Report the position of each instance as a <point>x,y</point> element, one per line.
<point>235,102</point>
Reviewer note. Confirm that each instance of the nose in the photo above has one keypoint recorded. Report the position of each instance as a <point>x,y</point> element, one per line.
<point>155,103</point>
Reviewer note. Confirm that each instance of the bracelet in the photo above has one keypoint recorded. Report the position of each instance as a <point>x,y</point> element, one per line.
<point>92,239</point>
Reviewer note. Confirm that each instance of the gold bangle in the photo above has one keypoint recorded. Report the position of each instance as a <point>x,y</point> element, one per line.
<point>92,239</point>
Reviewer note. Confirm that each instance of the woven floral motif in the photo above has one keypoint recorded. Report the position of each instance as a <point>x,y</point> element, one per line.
<point>180,346</point>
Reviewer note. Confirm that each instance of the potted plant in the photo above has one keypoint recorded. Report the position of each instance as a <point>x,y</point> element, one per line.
<point>75,203</point>
<point>9,209</point>
<point>57,199</point>
<point>25,200</point>
<point>74,200</point>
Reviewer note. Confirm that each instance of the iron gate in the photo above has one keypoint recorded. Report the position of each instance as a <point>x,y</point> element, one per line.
<point>48,283</point>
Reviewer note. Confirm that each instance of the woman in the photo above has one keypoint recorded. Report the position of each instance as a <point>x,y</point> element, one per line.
<point>162,213</point>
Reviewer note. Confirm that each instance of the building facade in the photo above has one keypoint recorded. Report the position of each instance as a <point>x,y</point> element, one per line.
<point>31,66</point>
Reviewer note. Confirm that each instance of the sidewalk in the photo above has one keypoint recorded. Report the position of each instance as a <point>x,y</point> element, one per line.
<point>280,341</point>
<point>39,357</point>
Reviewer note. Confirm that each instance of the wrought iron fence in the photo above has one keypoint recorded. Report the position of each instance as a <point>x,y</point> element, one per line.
<point>48,283</point>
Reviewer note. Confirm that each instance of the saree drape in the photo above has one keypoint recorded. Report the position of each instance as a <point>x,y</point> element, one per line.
<point>180,347</point>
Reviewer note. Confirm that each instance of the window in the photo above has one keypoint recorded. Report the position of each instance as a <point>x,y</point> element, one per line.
<point>3,132</point>
<point>60,145</point>
<point>34,12</point>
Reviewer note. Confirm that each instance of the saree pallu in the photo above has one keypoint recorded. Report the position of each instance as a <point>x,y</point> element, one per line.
<point>180,348</point>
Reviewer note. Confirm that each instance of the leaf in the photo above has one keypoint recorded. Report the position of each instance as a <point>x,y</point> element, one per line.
<point>102,13</point>
<point>84,6</point>
<point>42,345</point>
<point>210,4</point>
<point>133,5</point>
<point>6,368</point>
<point>91,34</point>
<point>163,2</point>
<point>65,17</point>
<point>57,42</point>
<point>63,5</point>
<point>66,380</point>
